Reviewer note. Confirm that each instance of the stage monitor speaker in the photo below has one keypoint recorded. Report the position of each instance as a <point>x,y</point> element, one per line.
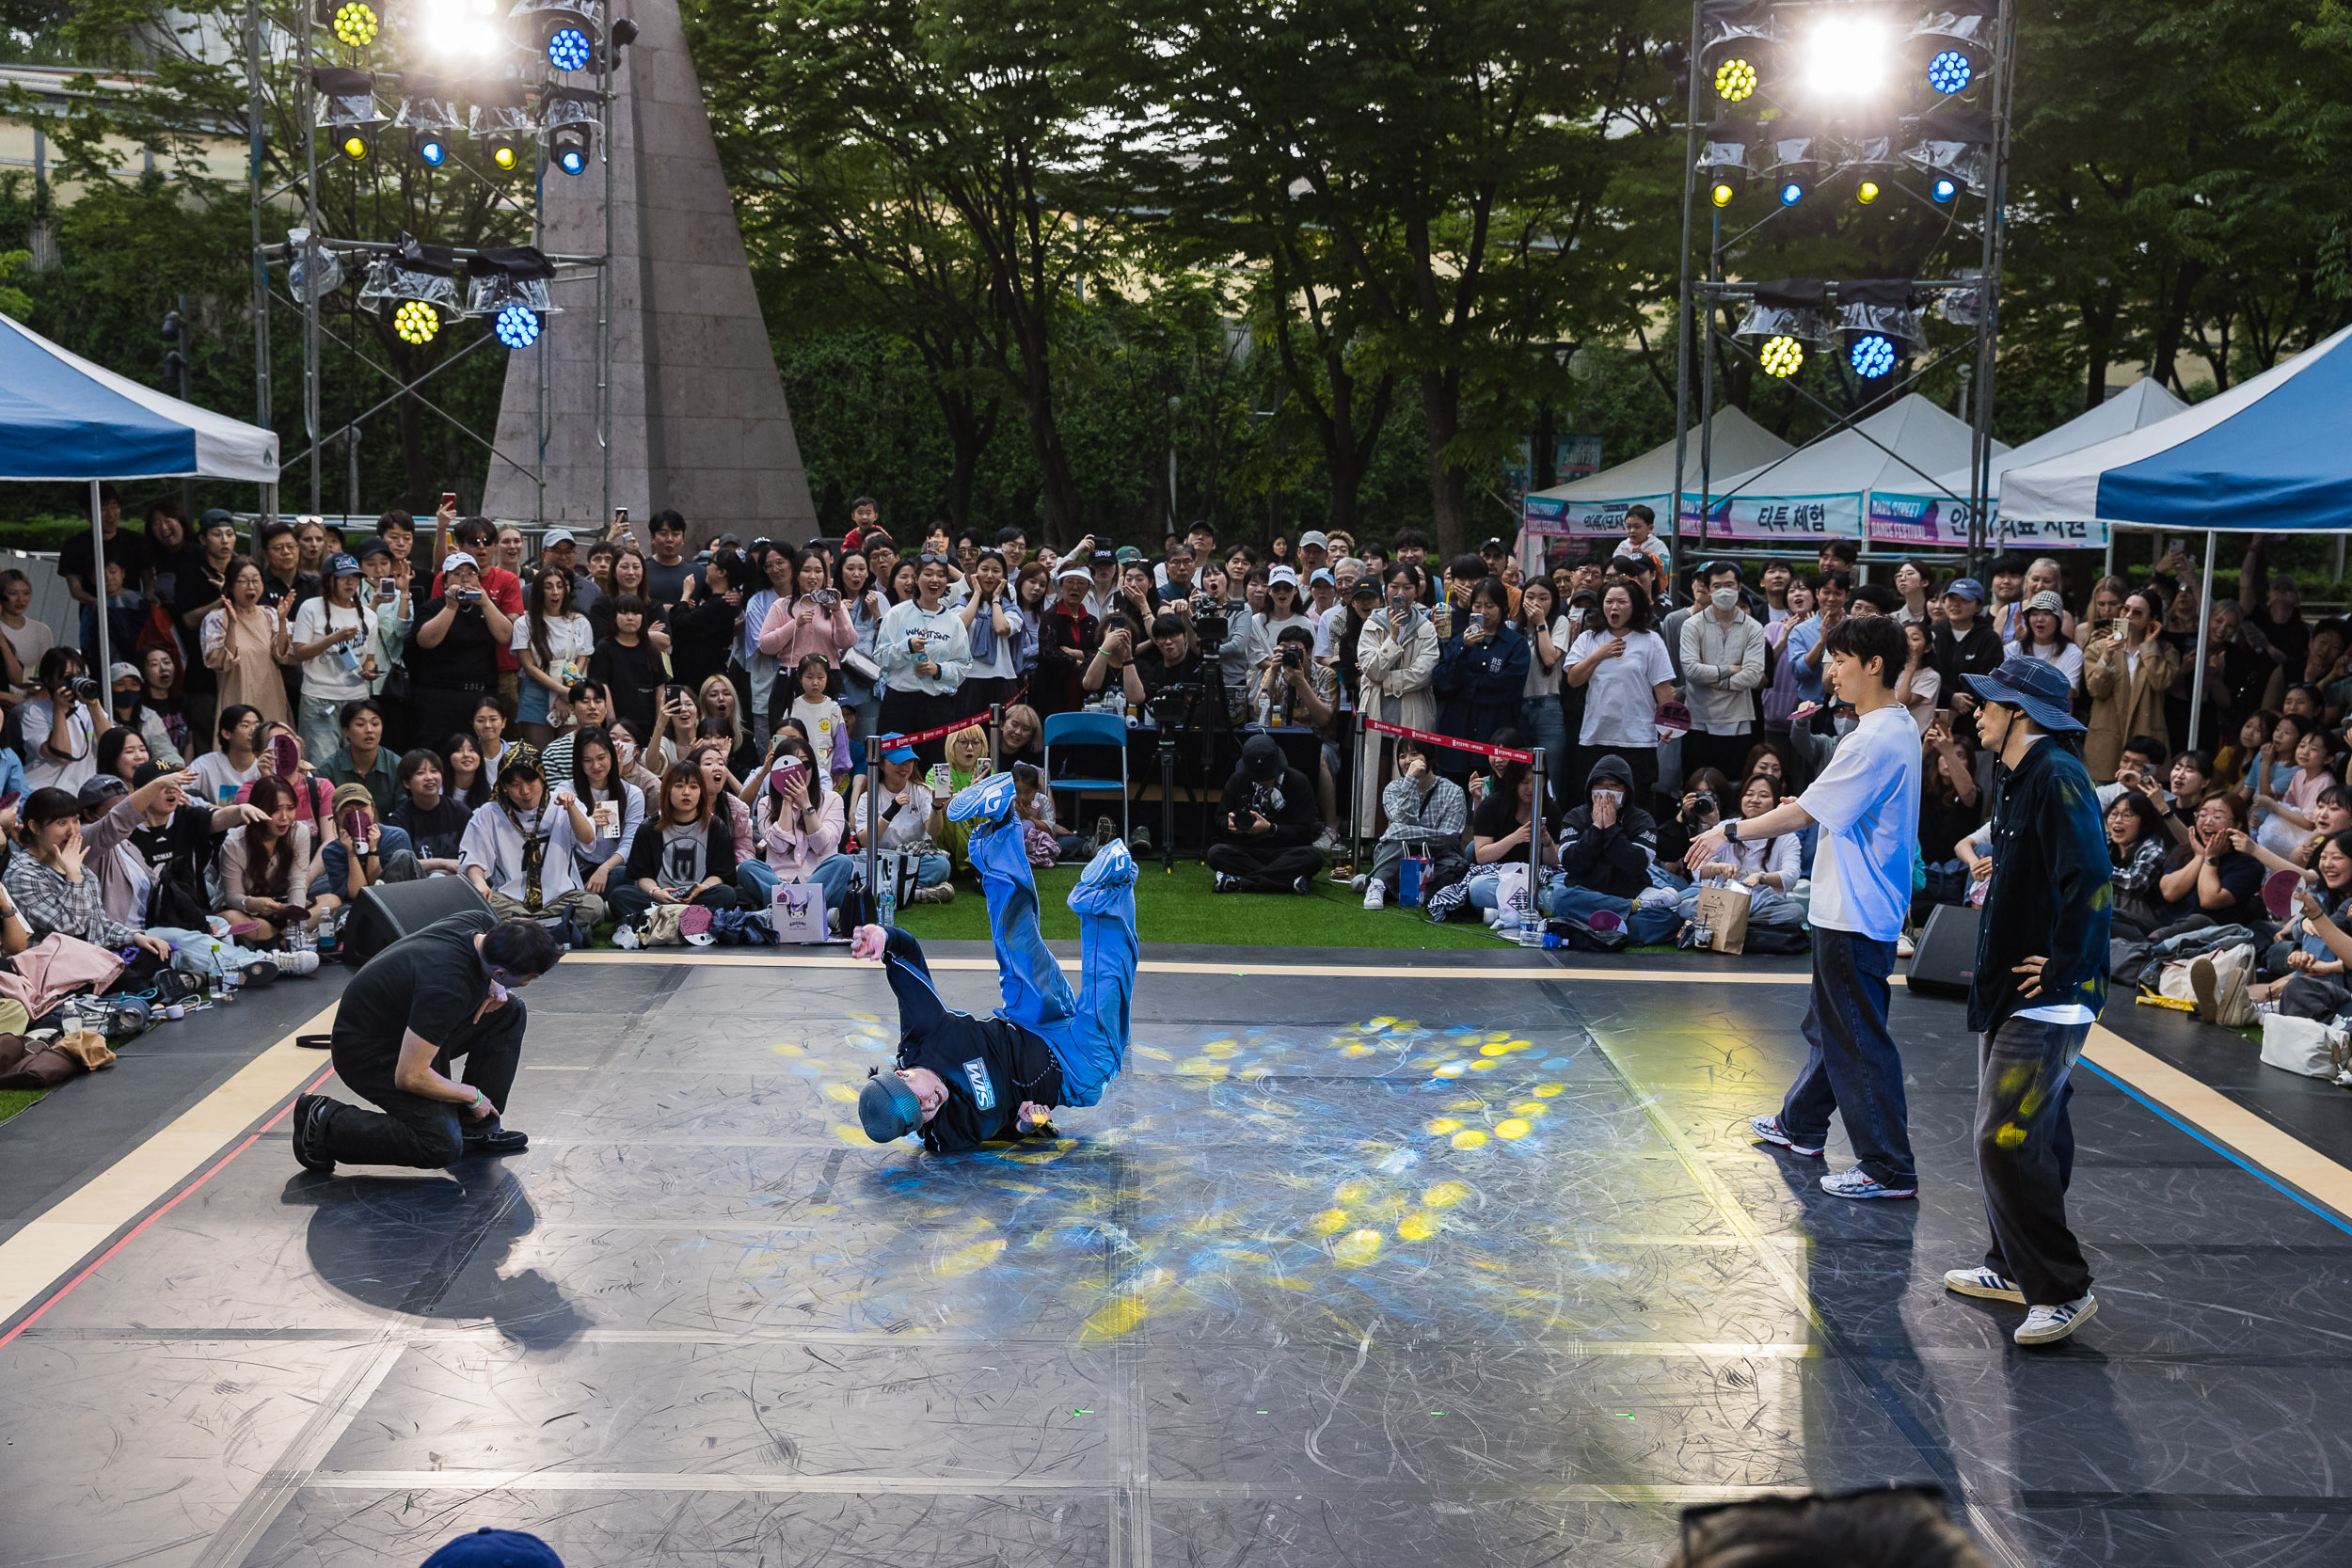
<point>1944,960</point>
<point>391,910</point>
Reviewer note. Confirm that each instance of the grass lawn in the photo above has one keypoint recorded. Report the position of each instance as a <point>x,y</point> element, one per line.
<point>13,1101</point>
<point>1179,905</point>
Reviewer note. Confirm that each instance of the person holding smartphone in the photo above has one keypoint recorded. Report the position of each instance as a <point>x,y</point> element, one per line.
<point>454,647</point>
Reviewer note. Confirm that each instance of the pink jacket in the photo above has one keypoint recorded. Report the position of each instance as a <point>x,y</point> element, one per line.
<point>788,642</point>
<point>54,968</point>
<point>790,852</point>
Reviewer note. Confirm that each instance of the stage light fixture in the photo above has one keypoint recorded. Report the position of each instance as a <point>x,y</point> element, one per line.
<point>429,148</point>
<point>1723,193</point>
<point>415,322</point>
<point>357,143</point>
<point>1951,71</point>
<point>1944,188</point>
<point>569,49</point>
<point>1867,192</point>
<point>353,22</point>
<point>1846,57</point>
<point>568,147</point>
<point>1735,81</point>
<point>1791,191</point>
<point>505,156</point>
<point>1872,355</point>
<point>517,326</point>
<point>1781,358</point>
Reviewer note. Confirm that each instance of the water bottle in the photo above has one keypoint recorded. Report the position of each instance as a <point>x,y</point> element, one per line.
<point>1535,936</point>
<point>886,902</point>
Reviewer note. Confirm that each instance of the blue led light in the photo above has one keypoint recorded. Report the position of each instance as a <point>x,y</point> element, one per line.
<point>1944,189</point>
<point>1872,355</point>
<point>569,49</point>
<point>1791,193</point>
<point>572,160</point>
<point>517,326</point>
<point>1951,71</point>
<point>432,151</point>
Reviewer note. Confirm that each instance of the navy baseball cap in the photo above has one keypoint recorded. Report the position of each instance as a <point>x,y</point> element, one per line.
<point>887,1109</point>
<point>495,1548</point>
<point>1967,588</point>
<point>339,565</point>
<point>2035,686</point>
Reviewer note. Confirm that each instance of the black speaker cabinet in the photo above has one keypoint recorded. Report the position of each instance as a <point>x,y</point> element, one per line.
<point>1944,960</point>
<point>390,911</point>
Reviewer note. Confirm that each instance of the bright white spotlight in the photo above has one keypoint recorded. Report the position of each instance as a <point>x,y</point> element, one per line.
<point>1846,56</point>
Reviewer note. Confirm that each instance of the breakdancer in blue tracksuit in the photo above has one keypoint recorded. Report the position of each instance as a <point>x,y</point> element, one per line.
<point>960,1081</point>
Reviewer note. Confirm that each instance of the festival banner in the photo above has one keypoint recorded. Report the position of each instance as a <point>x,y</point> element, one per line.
<point>1551,516</point>
<point>1775,518</point>
<point>1942,522</point>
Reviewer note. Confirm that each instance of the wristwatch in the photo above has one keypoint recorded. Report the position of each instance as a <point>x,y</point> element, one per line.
<point>1731,830</point>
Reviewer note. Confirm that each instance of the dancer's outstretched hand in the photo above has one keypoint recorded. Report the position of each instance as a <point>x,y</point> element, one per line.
<point>868,943</point>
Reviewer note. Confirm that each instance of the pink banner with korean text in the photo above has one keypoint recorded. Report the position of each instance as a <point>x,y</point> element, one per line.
<point>1940,522</point>
<point>1767,518</point>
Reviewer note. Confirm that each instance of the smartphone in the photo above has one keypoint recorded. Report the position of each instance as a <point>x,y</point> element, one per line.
<point>10,799</point>
<point>356,822</point>
<point>1941,716</point>
<point>2176,546</point>
<point>285,758</point>
<point>449,500</point>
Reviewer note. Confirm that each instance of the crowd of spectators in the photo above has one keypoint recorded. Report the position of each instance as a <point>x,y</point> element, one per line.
<point>594,733</point>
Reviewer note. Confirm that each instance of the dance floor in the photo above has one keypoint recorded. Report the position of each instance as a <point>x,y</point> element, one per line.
<point>1350,1268</point>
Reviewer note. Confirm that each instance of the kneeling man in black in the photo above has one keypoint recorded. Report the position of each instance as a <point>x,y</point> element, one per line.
<point>432,996</point>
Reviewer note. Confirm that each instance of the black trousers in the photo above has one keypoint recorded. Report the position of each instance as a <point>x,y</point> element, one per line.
<point>442,711</point>
<point>629,904</point>
<point>1265,870</point>
<point>1723,753</point>
<point>910,712</point>
<point>2025,1155</point>
<point>409,1129</point>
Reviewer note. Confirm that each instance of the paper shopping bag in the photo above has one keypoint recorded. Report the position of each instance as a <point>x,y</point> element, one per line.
<point>1723,915</point>
<point>799,911</point>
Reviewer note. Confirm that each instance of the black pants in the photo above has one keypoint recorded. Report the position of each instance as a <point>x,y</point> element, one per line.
<point>978,696</point>
<point>442,711</point>
<point>629,904</point>
<point>411,1130</point>
<point>2025,1156</point>
<point>1264,870</point>
<point>909,712</point>
<point>1723,753</point>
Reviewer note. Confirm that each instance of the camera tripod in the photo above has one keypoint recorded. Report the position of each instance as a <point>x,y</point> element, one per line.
<point>1180,703</point>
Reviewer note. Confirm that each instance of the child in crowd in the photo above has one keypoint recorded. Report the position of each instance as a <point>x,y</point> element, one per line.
<point>816,704</point>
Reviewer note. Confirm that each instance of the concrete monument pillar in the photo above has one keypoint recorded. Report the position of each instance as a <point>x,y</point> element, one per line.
<point>698,420</point>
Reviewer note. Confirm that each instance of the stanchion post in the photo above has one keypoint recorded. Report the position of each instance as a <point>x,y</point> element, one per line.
<point>1356,797</point>
<point>873,822</point>
<point>1535,836</point>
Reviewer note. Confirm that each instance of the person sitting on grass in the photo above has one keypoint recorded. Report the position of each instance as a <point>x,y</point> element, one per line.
<point>1427,815</point>
<point>1270,824</point>
<point>522,850</point>
<point>799,824</point>
<point>265,867</point>
<point>685,854</point>
<point>1607,847</point>
<point>910,818</point>
<point>1767,867</point>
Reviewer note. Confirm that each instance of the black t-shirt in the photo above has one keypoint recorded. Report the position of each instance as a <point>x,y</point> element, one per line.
<point>78,558</point>
<point>274,592</point>
<point>430,981</point>
<point>633,675</point>
<point>436,833</point>
<point>468,653</point>
<point>667,584</point>
<point>176,854</point>
<point>1497,817</point>
<point>2241,875</point>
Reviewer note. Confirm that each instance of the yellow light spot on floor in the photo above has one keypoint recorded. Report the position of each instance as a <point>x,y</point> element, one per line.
<point>1417,1227</point>
<point>864,1018</point>
<point>1203,1068</point>
<point>1156,1052</point>
<point>1324,1222</point>
<point>1484,1063</point>
<point>1473,1104</point>
<point>1445,1195</point>
<point>1549,1091</point>
<point>1251,1075</point>
<point>1469,1137</point>
<point>1289,1282</point>
<point>854,1136</point>
<point>841,1094</point>
<point>1353,1192</point>
<point>1114,1318</point>
<point>1356,1048</point>
<point>786,1048</point>
<point>1220,1048</point>
<point>1531,1107</point>
<point>1380,1023</point>
<point>1517,1127</point>
<point>1357,1246</point>
<point>970,1260</point>
<point>1442,1126</point>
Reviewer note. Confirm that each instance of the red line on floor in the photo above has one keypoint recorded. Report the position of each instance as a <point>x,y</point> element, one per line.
<point>173,1202</point>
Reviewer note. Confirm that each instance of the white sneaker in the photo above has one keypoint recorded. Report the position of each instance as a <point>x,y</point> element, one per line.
<point>1984,1284</point>
<point>1903,948</point>
<point>625,938</point>
<point>1327,840</point>
<point>2048,1325</point>
<point>305,962</point>
<point>1356,883</point>
<point>1375,894</point>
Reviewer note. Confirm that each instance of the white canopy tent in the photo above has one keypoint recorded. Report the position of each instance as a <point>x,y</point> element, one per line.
<point>1825,490</point>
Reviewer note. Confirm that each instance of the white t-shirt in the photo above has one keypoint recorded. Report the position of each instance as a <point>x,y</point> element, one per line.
<point>1868,803</point>
<point>219,775</point>
<point>36,638</point>
<point>1621,701</point>
<point>2068,657</point>
<point>1546,683</point>
<point>325,676</point>
<point>41,770</point>
<point>909,827</point>
<point>570,640</point>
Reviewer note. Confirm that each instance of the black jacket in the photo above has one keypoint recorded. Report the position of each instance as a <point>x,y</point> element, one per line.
<point>2052,895</point>
<point>1978,653</point>
<point>1296,820</point>
<point>989,1065</point>
<point>1614,860</point>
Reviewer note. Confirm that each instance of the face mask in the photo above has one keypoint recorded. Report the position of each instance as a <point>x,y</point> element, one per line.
<point>1613,797</point>
<point>1724,598</point>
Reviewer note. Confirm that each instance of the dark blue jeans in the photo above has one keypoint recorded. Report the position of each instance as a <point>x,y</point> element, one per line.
<point>2025,1155</point>
<point>1853,1068</point>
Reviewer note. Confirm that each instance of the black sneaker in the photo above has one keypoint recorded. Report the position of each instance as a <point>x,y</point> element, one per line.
<point>1304,887</point>
<point>497,1141</point>
<point>309,1116</point>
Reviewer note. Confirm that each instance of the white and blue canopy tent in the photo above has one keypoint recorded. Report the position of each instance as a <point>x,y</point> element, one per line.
<point>63,419</point>
<point>2267,456</point>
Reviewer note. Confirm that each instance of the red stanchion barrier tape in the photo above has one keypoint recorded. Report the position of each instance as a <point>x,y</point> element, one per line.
<point>934,734</point>
<point>1381,726</point>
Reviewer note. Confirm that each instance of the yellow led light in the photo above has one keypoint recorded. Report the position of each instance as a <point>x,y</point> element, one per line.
<point>356,23</point>
<point>1735,80</point>
<point>1782,356</point>
<point>1867,192</point>
<point>356,147</point>
<point>416,322</point>
<point>1724,194</point>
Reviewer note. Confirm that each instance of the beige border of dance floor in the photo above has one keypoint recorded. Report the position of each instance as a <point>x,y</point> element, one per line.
<point>49,1248</point>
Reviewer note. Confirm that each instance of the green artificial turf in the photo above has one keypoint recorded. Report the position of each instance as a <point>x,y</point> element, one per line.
<point>13,1101</point>
<point>1180,906</point>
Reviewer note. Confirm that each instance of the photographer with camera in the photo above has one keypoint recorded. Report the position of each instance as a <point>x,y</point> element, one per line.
<point>1269,826</point>
<point>1704,793</point>
<point>454,647</point>
<point>62,724</point>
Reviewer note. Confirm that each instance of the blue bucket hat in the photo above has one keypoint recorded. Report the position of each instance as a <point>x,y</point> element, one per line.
<point>2035,686</point>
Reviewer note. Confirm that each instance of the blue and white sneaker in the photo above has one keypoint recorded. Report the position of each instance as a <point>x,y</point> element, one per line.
<point>1107,883</point>
<point>2048,1325</point>
<point>989,798</point>
<point>1767,1129</point>
<point>1984,1284</point>
<point>1857,1183</point>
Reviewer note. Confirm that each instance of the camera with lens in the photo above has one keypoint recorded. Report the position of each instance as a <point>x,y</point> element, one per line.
<point>84,688</point>
<point>1293,657</point>
<point>1209,626</point>
<point>1702,810</point>
<point>1171,706</point>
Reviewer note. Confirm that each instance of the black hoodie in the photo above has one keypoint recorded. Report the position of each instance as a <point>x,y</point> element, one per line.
<point>1614,860</point>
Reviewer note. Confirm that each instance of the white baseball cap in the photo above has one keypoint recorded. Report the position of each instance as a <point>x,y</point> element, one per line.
<point>456,558</point>
<point>1282,573</point>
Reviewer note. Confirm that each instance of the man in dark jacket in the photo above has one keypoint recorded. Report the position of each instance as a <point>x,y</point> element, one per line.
<point>1607,847</point>
<point>1270,825</point>
<point>2040,979</point>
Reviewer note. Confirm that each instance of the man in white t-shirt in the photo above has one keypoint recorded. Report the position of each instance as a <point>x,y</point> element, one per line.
<point>1866,803</point>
